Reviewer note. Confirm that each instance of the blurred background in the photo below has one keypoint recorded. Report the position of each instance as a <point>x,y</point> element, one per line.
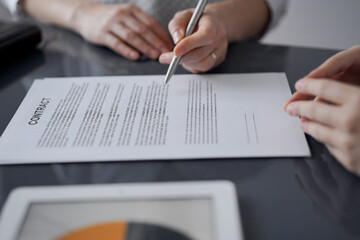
<point>332,24</point>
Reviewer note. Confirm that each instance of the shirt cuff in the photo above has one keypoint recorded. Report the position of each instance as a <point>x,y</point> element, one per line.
<point>14,6</point>
<point>277,11</point>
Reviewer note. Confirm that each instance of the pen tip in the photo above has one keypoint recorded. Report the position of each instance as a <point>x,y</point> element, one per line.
<point>166,79</point>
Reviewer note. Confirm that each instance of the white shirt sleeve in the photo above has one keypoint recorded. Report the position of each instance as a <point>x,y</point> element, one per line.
<point>277,11</point>
<point>11,5</point>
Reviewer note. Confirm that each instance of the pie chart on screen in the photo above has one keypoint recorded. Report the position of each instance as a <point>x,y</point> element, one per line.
<point>124,231</point>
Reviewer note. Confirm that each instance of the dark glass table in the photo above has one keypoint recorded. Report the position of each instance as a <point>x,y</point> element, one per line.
<point>287,198</point>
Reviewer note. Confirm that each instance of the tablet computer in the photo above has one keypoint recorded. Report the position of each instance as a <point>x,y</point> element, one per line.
<point>176,211</point>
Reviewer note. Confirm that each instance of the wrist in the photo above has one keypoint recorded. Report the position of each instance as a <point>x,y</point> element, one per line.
<point>81,15</point>
<point>212,10</point>
<point>216,11</point>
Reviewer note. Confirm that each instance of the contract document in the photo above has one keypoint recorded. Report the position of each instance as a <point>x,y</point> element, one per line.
<point>140,118</point>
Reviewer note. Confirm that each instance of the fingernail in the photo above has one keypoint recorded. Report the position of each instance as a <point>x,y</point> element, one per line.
<point>290,109</point>
<point>177,36</point>
<point>300,85</point>
<point>133,55</point>
<point>162,58</point>
<point>165,58</point>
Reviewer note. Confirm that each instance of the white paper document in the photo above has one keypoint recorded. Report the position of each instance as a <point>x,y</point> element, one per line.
<point>139,118</point>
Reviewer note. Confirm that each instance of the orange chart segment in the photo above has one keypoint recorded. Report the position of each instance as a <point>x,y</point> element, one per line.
<point>106,231</point>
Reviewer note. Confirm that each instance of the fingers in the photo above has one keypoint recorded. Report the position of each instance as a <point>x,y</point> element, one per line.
<point>203,65</point>
<point>118,46</point>
<point>195,67</point>
<point>147,34</point>
<point>138,30</point>
<point>198,60</point>
<point>297,96</point>
<point>326,89</point>
<point>320,132</point>
<point>134,40</point>
<point>166,58</point>
<point>210,61</point>
<point>198,55</point>
<point>153,24</point>
<point>322,88</point>
<point>205,35</point>
<point>316,111</point>
<point>178,24</point>
<point>202,50</point>
<point>338,63</point>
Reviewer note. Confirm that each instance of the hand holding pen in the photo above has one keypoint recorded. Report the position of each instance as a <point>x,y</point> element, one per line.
<point>202,50</point>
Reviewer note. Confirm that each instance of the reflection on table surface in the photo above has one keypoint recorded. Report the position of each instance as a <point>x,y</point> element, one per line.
<point>332,191</point>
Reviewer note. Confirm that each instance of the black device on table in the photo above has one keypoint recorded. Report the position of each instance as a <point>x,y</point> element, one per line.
<point>17,38</point>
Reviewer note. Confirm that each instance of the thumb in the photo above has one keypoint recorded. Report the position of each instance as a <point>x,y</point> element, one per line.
<point>178,24</point>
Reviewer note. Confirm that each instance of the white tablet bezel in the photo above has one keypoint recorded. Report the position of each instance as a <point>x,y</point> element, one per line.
<point>222,193</point>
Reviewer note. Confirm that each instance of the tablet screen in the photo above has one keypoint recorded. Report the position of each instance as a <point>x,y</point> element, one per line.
<point>180,219</point>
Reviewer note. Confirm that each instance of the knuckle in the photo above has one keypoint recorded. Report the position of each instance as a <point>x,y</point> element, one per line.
<point>151,23</point>
<point>129,6</point>
<point>121,11</point>
<point>180,14</point>
<point>334,61</point>
<point>308,110</point>
<point>179,17</point>
<point>298,109</point>
<point>171,25</point>
<point>129,36</point>
<point>187,45</point>
<point>323,87</point>
<point>209,36</point>
<point>174,26</point>
<point>142,30</point>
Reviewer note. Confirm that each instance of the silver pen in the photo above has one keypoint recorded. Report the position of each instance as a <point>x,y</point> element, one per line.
<point>190,28</point>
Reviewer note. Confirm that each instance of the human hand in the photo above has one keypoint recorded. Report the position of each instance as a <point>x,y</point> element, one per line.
<point>334,116</point>
<point>204,49</point>
<point>124,28</point>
